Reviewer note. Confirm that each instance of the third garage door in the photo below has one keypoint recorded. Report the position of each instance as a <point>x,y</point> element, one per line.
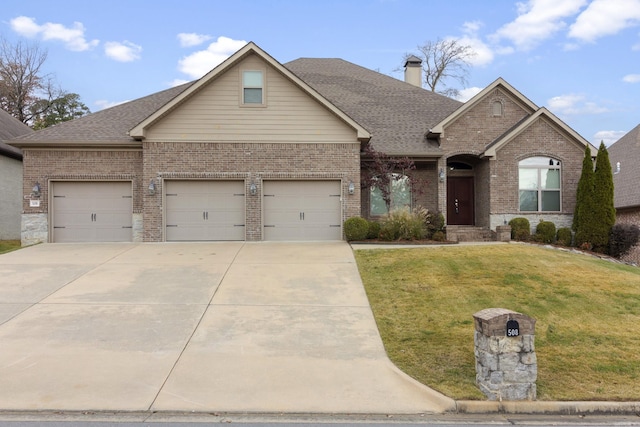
<point>204,210</point>
<point>302,210</point>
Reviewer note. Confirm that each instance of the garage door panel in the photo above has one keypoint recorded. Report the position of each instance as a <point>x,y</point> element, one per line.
<point>92,211</point>
<point>204,210</point>
<point>302,210</point>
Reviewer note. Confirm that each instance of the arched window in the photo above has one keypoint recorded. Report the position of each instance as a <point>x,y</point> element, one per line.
<point>496,108</point>
<point>399,195</point>
<point>539,184</point>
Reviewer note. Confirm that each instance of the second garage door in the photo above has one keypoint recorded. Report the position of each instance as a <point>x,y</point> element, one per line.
<point>302,210</point>
<point>205,210</point>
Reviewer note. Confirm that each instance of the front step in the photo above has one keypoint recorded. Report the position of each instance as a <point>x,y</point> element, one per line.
<point>469,233</point>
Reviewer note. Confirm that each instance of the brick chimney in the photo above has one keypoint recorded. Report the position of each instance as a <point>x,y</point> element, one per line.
<point>413,71</point>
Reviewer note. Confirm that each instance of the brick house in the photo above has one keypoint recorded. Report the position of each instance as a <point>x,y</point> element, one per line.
<point>10,177</point>
<point>624,155</point>
<point>258,150</point>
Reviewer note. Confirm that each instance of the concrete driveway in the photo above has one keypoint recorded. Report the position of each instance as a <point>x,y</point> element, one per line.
<point>228,327</point>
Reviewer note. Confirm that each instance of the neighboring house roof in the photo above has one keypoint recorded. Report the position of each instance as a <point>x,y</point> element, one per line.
<point>626,151</point>
<point>10,127</point>
<point>398,114</point>
<point>250,48</point>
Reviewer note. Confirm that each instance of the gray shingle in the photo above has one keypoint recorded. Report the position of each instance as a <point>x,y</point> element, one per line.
<point>397,114</point>
<point>111,124</point>
<point>10,127</point>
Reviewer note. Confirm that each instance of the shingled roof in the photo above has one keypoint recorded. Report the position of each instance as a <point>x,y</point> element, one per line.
<point>108,125</point>
<point>625,182</point>
<point>397,114</point>
<point>10,127</point>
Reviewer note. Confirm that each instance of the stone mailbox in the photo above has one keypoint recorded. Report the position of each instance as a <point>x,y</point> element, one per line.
<point>506,366</point>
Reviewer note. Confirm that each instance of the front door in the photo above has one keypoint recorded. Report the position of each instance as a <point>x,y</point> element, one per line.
<point>460,205</point>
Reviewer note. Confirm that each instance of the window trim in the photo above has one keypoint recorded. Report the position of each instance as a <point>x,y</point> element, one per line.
<point>542,166</point>
<point>242,102</point>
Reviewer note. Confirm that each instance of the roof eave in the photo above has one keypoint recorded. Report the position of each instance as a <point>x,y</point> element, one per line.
<point>119,144</point>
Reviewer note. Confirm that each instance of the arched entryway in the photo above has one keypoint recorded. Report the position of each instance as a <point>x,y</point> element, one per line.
<point>461,190</point>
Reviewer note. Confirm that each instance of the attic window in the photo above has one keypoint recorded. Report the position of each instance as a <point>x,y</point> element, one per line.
<point>496,109</point>
<point>252,87</point>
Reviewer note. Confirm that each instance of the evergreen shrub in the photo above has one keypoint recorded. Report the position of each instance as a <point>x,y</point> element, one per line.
<point>356,228</point>
<point>545,232</point>
<point>520,229</point>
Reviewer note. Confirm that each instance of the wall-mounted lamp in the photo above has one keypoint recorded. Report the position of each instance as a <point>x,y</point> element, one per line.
<point>441,175</point>
<point>152,187</point>
<point>35,191</point>
<point>253,188</point>
<point>617,168</point>
<point>351,188</point>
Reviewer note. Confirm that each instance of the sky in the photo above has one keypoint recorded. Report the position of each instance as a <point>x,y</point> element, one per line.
<point>578,58</point>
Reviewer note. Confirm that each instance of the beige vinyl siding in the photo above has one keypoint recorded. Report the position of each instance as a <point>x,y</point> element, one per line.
<point>215,113</point>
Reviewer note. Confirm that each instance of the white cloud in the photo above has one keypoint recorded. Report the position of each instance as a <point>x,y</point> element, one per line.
<point>483,54</point>
<point>122,52</point>
<point>103,103</point>
<point>199,63</point>
<point>466,94</point>
<point>177,82</point>
<point>605,17</point>
<point>73,38</point>
<point>192,39</point>
<point>607,136</point>
<point>574,104</point>
<point>537,21</point>
<point>631,78</point>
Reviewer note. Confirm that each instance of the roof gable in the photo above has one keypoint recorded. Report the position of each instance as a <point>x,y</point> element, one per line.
<point>527,122</point>
<point>140,130</point>
<point>487,91</point>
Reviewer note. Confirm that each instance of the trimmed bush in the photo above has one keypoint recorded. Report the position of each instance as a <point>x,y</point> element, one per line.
<point>563,237</point>
<point>623,237</point>
<point>402,224</point>
<point>356,228</point>
<point>545,232</point>
<point>374,230</point>
<point>520,229</point>
<point>434,223</point>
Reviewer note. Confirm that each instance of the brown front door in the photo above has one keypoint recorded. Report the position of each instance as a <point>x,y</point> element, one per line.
<point>460,200</point>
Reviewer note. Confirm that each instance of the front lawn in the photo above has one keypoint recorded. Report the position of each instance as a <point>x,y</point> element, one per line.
<point>587,311</point>
<point>9,245</point>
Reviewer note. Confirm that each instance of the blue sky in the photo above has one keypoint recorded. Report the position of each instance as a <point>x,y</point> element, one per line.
<point>579,58</point>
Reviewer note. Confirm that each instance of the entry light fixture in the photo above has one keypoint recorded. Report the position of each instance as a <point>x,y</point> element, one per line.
<point>352,187</point>
<point>253,188</point>
<point>441,175</point>
<point>36,189</point>
<point>152,187</point>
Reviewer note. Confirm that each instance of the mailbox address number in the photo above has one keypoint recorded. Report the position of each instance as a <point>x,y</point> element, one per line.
<point>513,328</point>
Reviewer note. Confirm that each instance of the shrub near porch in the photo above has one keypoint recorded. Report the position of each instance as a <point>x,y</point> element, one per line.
<point>587,313</point>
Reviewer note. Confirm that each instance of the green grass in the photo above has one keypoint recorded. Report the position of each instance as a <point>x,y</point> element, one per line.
<point>9,245</point>
<point>587,312</point>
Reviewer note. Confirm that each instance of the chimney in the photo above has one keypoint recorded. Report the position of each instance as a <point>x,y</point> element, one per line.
<point>413,71</point>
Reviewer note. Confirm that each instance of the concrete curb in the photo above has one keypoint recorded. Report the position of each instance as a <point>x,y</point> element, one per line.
<point>547,408</point>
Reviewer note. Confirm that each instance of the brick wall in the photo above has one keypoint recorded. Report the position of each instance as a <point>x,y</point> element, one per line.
<point>496,180</point>
<point>251,162</point>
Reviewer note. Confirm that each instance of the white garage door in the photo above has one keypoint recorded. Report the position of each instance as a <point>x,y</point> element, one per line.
<point>204,210</point>
<point>92,212</point>
<point>302,210</point>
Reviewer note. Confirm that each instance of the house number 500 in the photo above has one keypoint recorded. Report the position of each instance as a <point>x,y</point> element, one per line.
<point>513,328</point>
<point>513,332</point>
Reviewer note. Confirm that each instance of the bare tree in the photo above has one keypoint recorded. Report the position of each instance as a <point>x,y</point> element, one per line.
<point>444,60</point>
<point>23,86</point>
